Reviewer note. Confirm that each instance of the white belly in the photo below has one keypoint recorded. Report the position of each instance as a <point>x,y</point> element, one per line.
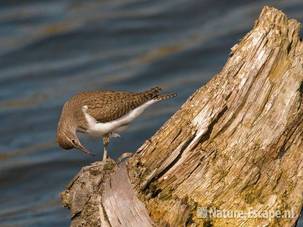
<point>97,129</point>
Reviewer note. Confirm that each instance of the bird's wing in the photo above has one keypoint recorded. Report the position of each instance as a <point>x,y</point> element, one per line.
<point>107,106</point>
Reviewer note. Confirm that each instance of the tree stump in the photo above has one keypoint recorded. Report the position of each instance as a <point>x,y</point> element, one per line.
<point>235,145</point>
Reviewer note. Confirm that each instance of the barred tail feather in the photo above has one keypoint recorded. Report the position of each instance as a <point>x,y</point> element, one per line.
<point>155,90</point>
<point>152,93</point>
<point>166,96</point>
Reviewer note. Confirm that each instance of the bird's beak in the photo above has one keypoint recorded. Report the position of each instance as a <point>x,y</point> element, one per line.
<point>80,147</point>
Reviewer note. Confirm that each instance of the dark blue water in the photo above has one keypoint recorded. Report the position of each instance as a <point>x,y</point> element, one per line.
<point>50,50</point>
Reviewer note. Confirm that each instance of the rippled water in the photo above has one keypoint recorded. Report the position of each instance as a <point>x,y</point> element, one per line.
<point>50,50</point>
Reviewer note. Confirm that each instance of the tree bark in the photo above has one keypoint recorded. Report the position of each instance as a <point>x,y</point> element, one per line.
<point>235,145</point>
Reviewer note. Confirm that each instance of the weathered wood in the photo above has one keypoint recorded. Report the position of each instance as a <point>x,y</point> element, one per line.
<point>83,195</point>
<point>101,195</point>
<point>236,144</point>
<point>120,202</point>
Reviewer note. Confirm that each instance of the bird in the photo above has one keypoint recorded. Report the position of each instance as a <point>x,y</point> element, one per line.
<point>102,114</point>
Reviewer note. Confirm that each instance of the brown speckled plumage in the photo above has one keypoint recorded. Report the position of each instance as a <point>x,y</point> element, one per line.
<point>104,106</point>
<point>107,106</point>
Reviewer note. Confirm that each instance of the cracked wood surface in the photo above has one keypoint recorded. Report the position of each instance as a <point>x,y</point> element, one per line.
<point>102,195</point>
<point>120,202</point>
<point>236,144</point>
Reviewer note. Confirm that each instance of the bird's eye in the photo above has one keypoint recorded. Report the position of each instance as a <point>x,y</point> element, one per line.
<point>73,141</point>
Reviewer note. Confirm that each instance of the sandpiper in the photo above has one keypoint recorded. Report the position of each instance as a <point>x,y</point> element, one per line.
<point>102,114</point>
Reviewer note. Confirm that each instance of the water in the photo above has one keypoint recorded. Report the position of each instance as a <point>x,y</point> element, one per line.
<point>50,50</point>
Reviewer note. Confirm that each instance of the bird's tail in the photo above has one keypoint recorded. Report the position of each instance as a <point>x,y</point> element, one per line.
<point>154,93</point>
<point>165,96</point>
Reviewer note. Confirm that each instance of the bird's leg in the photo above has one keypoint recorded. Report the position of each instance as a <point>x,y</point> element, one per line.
<point>105,144</point>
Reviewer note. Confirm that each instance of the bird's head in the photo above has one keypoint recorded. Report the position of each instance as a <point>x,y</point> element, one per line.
<point>69,140</point>
<point>66,132</point>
